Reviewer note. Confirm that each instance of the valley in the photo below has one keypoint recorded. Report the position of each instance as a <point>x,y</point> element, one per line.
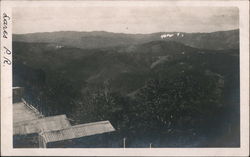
<point>169,89</point>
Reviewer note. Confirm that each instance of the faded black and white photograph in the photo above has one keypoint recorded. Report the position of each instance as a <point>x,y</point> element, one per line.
<point>126,77</point>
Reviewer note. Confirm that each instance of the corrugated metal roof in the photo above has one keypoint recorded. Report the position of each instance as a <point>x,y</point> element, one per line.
<point>22,112</point>
<point>42,124</point>
<point>78,131</point>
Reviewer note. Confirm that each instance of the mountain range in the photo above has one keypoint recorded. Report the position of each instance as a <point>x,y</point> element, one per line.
<point>101,39</point>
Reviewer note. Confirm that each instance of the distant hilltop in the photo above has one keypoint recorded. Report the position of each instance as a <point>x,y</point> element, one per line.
<point>100,39</point>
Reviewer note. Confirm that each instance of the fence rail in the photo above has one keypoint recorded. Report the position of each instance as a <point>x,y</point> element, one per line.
<point>31,107</point>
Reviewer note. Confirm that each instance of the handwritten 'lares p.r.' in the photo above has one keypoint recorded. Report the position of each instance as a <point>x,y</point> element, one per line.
<point>6,50</point>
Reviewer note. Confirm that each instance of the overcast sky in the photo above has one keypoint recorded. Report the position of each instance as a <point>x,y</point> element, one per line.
<point>125,19</point>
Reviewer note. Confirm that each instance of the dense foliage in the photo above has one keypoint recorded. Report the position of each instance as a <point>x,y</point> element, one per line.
<point>175,96</point>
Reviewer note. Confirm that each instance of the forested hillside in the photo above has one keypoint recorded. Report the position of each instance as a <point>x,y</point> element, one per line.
<point>161,91</point>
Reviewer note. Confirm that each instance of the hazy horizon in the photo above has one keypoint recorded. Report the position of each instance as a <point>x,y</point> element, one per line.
<point>128,20</point>
<point>120,32</point>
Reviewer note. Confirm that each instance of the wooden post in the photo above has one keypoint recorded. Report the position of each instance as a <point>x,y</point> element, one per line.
<point>124,143</point>
<point>42,140</point>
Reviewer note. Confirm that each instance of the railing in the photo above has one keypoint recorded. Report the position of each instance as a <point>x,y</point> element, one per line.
<point>32,108</point>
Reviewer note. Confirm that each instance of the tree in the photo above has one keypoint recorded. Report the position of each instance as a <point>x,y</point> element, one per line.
<point>190,100</point>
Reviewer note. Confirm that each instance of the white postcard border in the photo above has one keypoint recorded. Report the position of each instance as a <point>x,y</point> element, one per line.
<point>6,86</point>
